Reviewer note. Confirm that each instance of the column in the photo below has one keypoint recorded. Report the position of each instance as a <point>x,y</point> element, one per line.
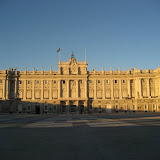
<point>156,87</point>
<point>77,88</point>
<point>103,86</point>
<point>4,89</point>
<point>148,89</point>
<point>136,87</point>
<point>140,88</point>
<point>112,94</point>
<point>50,95</point>
<point>42,90</point>
<point>33,89</point>
<point>159,87</point>
<point>129,88</point>
<point>86,89</point>
<point>120,89</point>
<point>95,89</point>
<point>59,89</point>
<point>15,88</point>
<point>68,91</point>
<point>24,97</point>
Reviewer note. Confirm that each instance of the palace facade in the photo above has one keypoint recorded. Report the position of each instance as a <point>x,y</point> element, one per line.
<point>74,89</point>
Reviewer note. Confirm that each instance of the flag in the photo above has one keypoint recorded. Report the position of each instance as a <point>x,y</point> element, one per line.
<point>59,50</point>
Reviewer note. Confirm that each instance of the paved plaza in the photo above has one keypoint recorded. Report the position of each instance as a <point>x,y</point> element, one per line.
<point>74,137</point>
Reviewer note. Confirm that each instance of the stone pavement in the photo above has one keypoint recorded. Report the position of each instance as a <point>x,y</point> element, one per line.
<point>96,137</point>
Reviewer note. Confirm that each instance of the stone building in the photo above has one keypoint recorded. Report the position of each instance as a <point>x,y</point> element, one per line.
<point>74,89</point>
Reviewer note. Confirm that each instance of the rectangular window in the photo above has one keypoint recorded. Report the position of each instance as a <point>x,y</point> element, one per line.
<point>107,81</point>
<point>116,107</point>
<point>54,82</point>
<point>115,81</point>
<point>124,81</point>
<point>145,106</point>
<point>80,81</point>
<point>63,81</point>
<point>99,81</point>
<point>20,82</point>
<point>0,81</point>
<point>45,82</point>
<point>37,82</point>
<point>133,107</point>
<point>29,82</point>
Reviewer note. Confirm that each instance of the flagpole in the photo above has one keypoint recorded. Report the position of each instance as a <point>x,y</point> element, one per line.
<point>59,55</point>
<point>85,54</point>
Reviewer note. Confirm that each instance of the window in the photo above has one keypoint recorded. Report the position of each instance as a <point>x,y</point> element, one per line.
<point>90,81</point>
<point>145,106</point>
<point>0,81</point>
<point>20,82</point>
<point>133,107</point>
<point>63,81</point>
<point>124,81</point>
<point>54,82</point>
<point>80,81</point>
<point>115,81</point>
<point>107,81</point>
<point>99,81</point>
<point>45,82</point>
<point>37,82</point>
<point>29,82</point>
<point>132,81</point>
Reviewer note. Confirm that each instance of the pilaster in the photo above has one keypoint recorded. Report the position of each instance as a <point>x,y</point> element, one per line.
<point>50,95</point>
<point>4,89</point>
<point>103,86</point>
<point>112,96</point>
<point>148,88</point>
<point>15,88</point>
<point>33,89</point>
<point>85,88</point>
<point>25,85</point>
<point>77,88</point>
<point>120,89</point>
<point>140,88</point>
<point>42,90</point>
<point>59,89</point>
<point>129,87</point>
<point>95,89</point>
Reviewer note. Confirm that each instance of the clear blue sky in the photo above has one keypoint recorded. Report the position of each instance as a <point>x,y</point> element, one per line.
<point>123,33</point>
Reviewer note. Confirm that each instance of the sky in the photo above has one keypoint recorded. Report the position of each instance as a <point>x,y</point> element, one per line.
<point>115,33</point>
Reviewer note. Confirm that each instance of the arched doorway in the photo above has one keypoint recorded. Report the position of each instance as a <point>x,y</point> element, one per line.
<point>63,107</point>
<point>81,107</point>
<point>72,107</point>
